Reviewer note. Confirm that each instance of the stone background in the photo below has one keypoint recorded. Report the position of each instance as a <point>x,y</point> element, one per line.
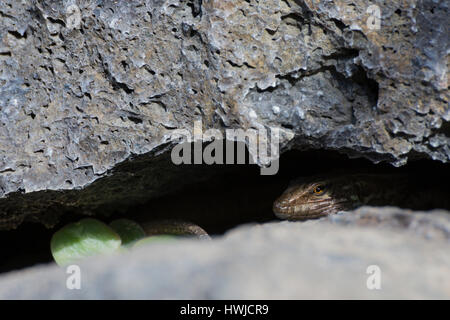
<point>282,260</point>
<point>88,113</point>
<point>77,101</point>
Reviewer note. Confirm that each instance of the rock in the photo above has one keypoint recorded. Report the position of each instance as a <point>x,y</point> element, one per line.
<point>318,259</point>
<point>428,225</point>
<point>85,88</point>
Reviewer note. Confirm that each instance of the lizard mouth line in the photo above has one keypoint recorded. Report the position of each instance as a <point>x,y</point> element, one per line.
<point>310,209</point>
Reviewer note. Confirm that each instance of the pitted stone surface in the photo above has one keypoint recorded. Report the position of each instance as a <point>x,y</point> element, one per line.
<point>77,100</point>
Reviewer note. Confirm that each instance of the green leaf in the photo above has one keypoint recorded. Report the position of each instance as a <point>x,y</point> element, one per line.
<point>82,239</point>
<point>128,230</point>
<point>156,239</point>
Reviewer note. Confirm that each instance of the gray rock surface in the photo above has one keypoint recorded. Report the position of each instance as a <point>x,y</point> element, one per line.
<point>78,99</point>
<point>325,258</point>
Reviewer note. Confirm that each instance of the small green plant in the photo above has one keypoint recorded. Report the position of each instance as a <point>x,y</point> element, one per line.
<point>81,239</point>
<point>128,230</point>
<point>154,239</point>
<point>89,237</point>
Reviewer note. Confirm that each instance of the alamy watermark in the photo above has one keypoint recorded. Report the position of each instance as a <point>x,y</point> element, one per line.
<point>262,144</point>
<point>374,280</point>
<point>73,17</point>
<point>374,20</point>
<point>73,281</point>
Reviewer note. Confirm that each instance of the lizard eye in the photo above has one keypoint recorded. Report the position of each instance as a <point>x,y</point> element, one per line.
<point>318,190</point>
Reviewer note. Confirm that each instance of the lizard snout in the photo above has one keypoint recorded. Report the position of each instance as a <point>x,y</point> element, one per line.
<point>281,208</point>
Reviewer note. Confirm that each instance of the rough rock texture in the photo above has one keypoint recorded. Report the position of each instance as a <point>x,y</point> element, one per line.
<point>78,99</point>
<point>276,260</point>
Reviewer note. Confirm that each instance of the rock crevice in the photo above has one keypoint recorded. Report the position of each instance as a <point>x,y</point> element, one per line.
<point>85,88</point>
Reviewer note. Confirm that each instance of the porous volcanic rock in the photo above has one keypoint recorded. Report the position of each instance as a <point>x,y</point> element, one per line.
<point>78,97</point>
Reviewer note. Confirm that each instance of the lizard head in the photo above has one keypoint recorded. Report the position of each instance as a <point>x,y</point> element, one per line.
<point>308,198</point>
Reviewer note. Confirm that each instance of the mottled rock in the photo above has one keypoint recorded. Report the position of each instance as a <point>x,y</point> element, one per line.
<point>433,225</point>
<point>326,258</point>
<point>77,98</point>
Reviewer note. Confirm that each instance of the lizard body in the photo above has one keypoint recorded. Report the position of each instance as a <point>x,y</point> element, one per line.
<point>174,227</point>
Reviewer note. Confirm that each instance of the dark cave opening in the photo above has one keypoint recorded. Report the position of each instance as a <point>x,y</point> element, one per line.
<point>233,196</point>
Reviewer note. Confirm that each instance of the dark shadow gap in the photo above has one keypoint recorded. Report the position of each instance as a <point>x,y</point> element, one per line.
<point>232,196</point>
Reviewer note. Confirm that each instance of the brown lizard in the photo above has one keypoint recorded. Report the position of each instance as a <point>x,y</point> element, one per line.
<point>319,196</point>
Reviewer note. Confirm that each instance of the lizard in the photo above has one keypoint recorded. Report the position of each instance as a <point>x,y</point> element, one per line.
<point>322,195</point>
<point>176,227</point>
